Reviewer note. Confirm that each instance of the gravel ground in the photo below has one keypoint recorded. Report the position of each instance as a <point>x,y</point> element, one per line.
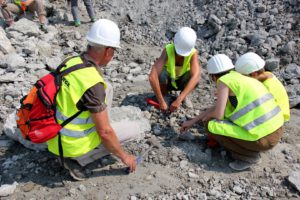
<point>180,169</point>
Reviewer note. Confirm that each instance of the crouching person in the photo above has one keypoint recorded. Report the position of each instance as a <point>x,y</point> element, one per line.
<point>246,119</point>
<point>18,7</point>
<point>176,69</point>
<point>90,135</point>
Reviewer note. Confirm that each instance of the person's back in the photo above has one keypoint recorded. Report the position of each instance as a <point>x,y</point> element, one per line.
<point>255,112</point>
<point>276,88</point>
<point>74,85</point>
<point>253,65</point>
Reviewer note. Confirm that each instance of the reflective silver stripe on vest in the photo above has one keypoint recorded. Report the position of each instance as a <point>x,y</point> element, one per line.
<point>76,134</point>
<point>251,106</point>
<point>77,120</point>
<point>262,119</point>
<point>224,122</point>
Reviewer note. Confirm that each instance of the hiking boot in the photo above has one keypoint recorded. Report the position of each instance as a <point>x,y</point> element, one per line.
<point>75,170</point>
<point>240,165</point>
<point>93,20</point>
<point>77,23</point>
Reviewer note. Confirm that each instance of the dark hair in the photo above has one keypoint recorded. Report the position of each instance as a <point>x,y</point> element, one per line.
<point>221,74</point>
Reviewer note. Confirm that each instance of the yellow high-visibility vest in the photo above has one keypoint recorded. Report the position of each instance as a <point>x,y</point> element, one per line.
<point>256,115</point>
<point>170,65</point>
<point>79,136</point>
<point>276,88</point>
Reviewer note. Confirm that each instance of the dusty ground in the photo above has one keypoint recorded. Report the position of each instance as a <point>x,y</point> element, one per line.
<point>180,169</point>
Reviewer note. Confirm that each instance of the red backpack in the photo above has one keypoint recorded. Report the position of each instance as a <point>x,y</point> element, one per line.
<point>36,116</point>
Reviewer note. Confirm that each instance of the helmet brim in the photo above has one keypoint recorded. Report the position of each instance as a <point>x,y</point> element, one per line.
<point>182,53</point>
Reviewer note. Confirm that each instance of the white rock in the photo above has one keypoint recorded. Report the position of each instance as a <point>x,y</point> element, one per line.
<point>5,45</point>
<point>13,61</point>
<point>192,175</point>
<point>11,130</point>
<point>294,179</point>
<point>183,164</point>
<point>45,49</point>
<point>6,189</point>
<point>237,189</point>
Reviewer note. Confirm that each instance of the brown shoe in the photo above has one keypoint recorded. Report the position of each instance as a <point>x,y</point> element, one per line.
<point>75,170</point>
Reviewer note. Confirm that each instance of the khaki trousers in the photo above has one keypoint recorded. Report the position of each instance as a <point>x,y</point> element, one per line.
<point>247,150</point>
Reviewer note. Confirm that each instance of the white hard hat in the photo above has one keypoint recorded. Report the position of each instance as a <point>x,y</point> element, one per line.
<point>248,63</point>
<point>184,41</point>
<point>219,63</point>
<point>104,32</point>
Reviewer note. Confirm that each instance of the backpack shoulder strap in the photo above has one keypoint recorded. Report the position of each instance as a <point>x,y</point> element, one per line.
<point>73,68</point>
<point>63,64</point>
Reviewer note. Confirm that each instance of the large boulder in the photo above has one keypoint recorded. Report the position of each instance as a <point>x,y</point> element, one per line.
<point>122,119</point>
<point>26,27</point>
<point>5,45</point>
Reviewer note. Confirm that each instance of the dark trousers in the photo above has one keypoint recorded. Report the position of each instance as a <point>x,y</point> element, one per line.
<point>89,7</point>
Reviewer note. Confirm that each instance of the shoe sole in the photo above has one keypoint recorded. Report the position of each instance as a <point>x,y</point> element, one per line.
<point>241,169</point>
<point>73,175</point>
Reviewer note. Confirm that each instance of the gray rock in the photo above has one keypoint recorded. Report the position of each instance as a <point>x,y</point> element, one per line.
<point>272,64</point>
<point>292,71</point>
<point>6,189</point>
<point>213,19</point>
<point>35,66</point>
<point>140,78</point>
<point>202,196</point>
<point>294,179</point>
<point>237,189</point>
<point>11,130</point>
<point>9,78</point>
<point>133,198</point>
<point>192,175</point>
<point>136,70</point>
<point>261,8</point>
<point>294,101</point>
<point>45,49</point>
<point>26,27</point>
<point>50,36</point>
<point>130,114</point>
<point>288,48</point>
<point>6,143</point>
<point>12,62</point>
<point>5,45</point>
<point>183,164</point>
<point>82,188</point>
<point>29,48</point>
<point>53,62</point>
<point>125,69</point>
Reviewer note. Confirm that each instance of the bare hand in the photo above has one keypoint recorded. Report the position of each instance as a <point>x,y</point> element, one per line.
<point>175,105</point>
<point>186,125</point>
<point>163,106</point>
<point>130,161</point>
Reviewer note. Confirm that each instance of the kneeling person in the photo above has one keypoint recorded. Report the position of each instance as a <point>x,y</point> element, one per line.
<point>177,68</point>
